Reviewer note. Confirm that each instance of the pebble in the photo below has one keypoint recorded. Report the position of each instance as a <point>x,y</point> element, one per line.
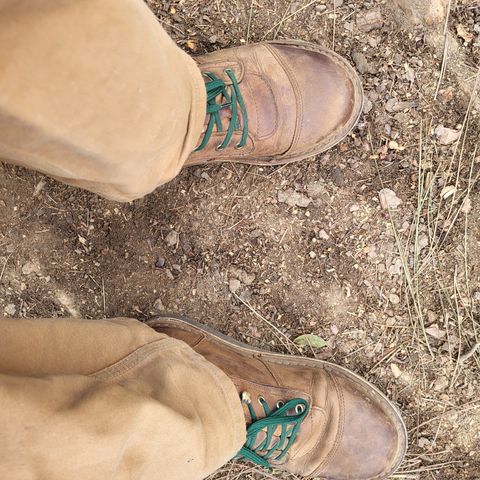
<point>394,299</point>
<point>10,309</point>
<point>441,383</point>
<point>388,199</point>
<point>397,373</point>
<point>30,267</point>
<point>446,136</point>
<point>158,305</point>
<point>435,331</point>
<point>234,285</point>
<point>293,198</point>
<point>244,277</point>
<point>160,262</point>
<point>362,64</point>
<point>367,106</point>
<point>370,20</point>
<point>338,177</point>
<point>323,234</point>
<point>423,241</point>
<point>172,238</point>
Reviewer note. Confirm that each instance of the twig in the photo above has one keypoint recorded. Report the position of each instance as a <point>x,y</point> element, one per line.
<point>469,353</point>
<point>5,266</point>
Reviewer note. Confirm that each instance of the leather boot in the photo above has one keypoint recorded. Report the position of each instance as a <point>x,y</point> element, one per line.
<point>275,102</point>
<point>308,417</point>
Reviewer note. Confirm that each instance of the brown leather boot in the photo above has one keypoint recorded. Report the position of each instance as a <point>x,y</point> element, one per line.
<point>275,102</point>
<point>305,416</point>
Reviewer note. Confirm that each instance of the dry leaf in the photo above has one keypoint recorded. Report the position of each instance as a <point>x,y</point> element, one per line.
<point>310,340</point>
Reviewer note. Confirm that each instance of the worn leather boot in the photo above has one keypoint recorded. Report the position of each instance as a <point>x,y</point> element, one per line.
<point>305,416</point>
<point>275,102</point>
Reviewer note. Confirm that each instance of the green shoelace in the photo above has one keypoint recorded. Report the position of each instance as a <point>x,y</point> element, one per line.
<point>290,424</point>
<point>232,98</point>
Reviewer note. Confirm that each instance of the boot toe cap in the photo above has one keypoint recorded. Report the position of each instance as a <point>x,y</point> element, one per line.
<point>373,438</point>
<point>329,96</point>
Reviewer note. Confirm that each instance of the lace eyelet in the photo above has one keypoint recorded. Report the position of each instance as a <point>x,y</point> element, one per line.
<point>261,400</point>
<point>219,148</point>
<point>280,404</point>
<point>246,397</point>
<point>239,147</point>
<point>228,70</point>
<point>299,409</point>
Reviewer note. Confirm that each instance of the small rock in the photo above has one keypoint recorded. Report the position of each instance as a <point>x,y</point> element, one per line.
<point>160,262</point>
<point>244,277</point>
<point>334,329</point>
<point>234,285</point>
<point>337,3</point>
<point>447,95</point>
<point>367,106</point>
<point>448,191</point>
<point>423,241</point>
<point>441,383</point>
<point>316,189</point>
<point>370,20</point>
<point>362,64</point>
<point>466,205</point>
<point>447,136</point>
<point>390,104</point>
<point>186,245</point>
<point>397,373</point>
<point>323,234</point>
<point>463,33</point>
<point>30,267</point>
<point>337,177</point>
<point>391,322</point>
<point>10,309</point>
<point>246,295</point>
<point>158,305</point>
<point>394,299</point>
<point>172,238</point>
<point>423,442</point>
<point>396,267</point>
<point>293,198</point>
<point>435,331</point>
<point>388,199</point>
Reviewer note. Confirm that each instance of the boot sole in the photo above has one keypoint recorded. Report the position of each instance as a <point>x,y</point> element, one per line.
<point>309,362</point>
<point>342,133</point>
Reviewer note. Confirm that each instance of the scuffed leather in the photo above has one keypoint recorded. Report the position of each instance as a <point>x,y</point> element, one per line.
<point>351,432</point>
<point>300,98</point>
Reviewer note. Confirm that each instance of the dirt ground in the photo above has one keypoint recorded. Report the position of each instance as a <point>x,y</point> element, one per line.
<point>305,248</point>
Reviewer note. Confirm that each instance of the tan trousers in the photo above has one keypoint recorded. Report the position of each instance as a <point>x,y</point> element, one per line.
<point>110,400</point>
<point>95,94</point>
